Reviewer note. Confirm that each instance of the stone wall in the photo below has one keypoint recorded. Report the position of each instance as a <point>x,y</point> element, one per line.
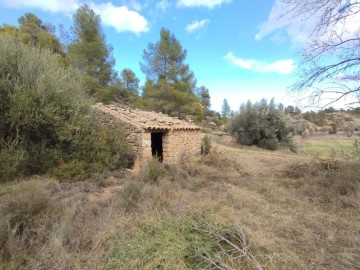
<point>134,134</point>
<point>145,152</point>
<point>176,145</point>
<point>179,144</point>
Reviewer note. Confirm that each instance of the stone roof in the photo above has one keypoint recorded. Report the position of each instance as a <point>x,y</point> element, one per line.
<point>145,120</point>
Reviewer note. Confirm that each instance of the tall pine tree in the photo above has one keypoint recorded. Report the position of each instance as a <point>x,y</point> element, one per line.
<point>89,52</point>
<point>204,96</point>
<point>170,84</point>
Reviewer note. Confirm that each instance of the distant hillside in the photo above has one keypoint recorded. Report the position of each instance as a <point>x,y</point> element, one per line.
<point>323,121</point>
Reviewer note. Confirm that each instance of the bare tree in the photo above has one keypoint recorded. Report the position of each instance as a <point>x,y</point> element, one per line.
<point>330,62</point>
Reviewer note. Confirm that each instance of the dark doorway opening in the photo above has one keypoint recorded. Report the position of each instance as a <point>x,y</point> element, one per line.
<point>157,145</point>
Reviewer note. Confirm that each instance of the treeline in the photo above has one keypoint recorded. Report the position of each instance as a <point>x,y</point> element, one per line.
<point>170,85</point>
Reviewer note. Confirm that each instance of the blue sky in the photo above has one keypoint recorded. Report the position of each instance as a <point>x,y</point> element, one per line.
<point>239,49</point>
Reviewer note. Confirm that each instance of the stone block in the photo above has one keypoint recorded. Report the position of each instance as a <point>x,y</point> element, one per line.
<point>146,143</point>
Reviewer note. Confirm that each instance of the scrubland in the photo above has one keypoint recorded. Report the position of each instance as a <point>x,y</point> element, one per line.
<point>236,208</point>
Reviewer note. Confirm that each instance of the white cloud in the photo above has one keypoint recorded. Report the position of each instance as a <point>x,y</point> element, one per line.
<point>163,5</point>
<point>300,28</point>
<point>281,67</point>
<point>49,5</point>
<point>201,3</point>
<point>121,18</point>
<point>196,25</point>
<point>280,22</point>
<point>132,4</point>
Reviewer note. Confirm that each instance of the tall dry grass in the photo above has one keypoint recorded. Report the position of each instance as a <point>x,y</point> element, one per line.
<point>236,208</point>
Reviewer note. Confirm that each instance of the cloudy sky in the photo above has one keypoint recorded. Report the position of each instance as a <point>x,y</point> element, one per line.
<point>239,49</point>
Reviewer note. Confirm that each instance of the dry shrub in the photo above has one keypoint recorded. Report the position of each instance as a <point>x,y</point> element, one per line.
<point>329,164</point>
<point>38,231</point>
<point>328,180</point>
<point>131,195</point>
<point>154,171</point>
<point>320,166</point>
<point>21,206</point>
<point>217,159</point>
<point>177,173</point>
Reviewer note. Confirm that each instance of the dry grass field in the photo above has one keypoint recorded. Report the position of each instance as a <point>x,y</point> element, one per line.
<point>237,208</point>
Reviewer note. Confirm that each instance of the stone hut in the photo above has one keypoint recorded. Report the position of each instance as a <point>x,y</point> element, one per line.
<point>154,134</point>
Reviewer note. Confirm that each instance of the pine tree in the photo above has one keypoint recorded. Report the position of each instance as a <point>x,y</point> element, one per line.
<point>89,52</point>
<point>225,110</point>
<point>170,83</point>
<point>204,96</point>
<point>130,81</point>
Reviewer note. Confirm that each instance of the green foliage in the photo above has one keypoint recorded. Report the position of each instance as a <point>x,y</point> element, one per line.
<point>166,98</point>
<point>33,31</point>
<point>89,52</point>
<point>170,83</point>
<point>204,96</point>
<point>196,241</point>
<point>38,100</point>
<point>350,154</point>
<point>155,171</point>
<point>290,109</point>
<point>333,129</point>
<point>205,145</point>
<point>44,117</point>
<point>37,33</point>
<point>318,118</point>
<point>104,94</point>
<point>12,159</point>
<point>356,150</point>
<point>260,124</point>
<point>225,110</point>
<point>130,81</point>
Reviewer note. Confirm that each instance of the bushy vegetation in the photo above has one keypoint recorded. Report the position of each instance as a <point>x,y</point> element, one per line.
<point>260,124</point>
<point>205,145</point>
<point>45,117</point>
<point>154,171</point>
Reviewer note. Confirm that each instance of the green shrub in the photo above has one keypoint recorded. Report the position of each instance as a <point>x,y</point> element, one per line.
<point>154,172</point>
<point>46,124</point>
<point>260,124</point>
<point>333,129</point>
<point>269,143</point>
<point>205,145</point>
<point>72,170</point>
<point>105,95</point>
<point>12,159</point>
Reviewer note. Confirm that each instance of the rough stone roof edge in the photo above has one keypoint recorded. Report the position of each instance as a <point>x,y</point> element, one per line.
<point>144,119</point>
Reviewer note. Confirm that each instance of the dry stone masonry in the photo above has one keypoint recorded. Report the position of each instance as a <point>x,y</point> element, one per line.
<point>153,134</point>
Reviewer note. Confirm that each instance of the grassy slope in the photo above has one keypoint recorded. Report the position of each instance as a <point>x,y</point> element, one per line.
<point>294,214</point>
